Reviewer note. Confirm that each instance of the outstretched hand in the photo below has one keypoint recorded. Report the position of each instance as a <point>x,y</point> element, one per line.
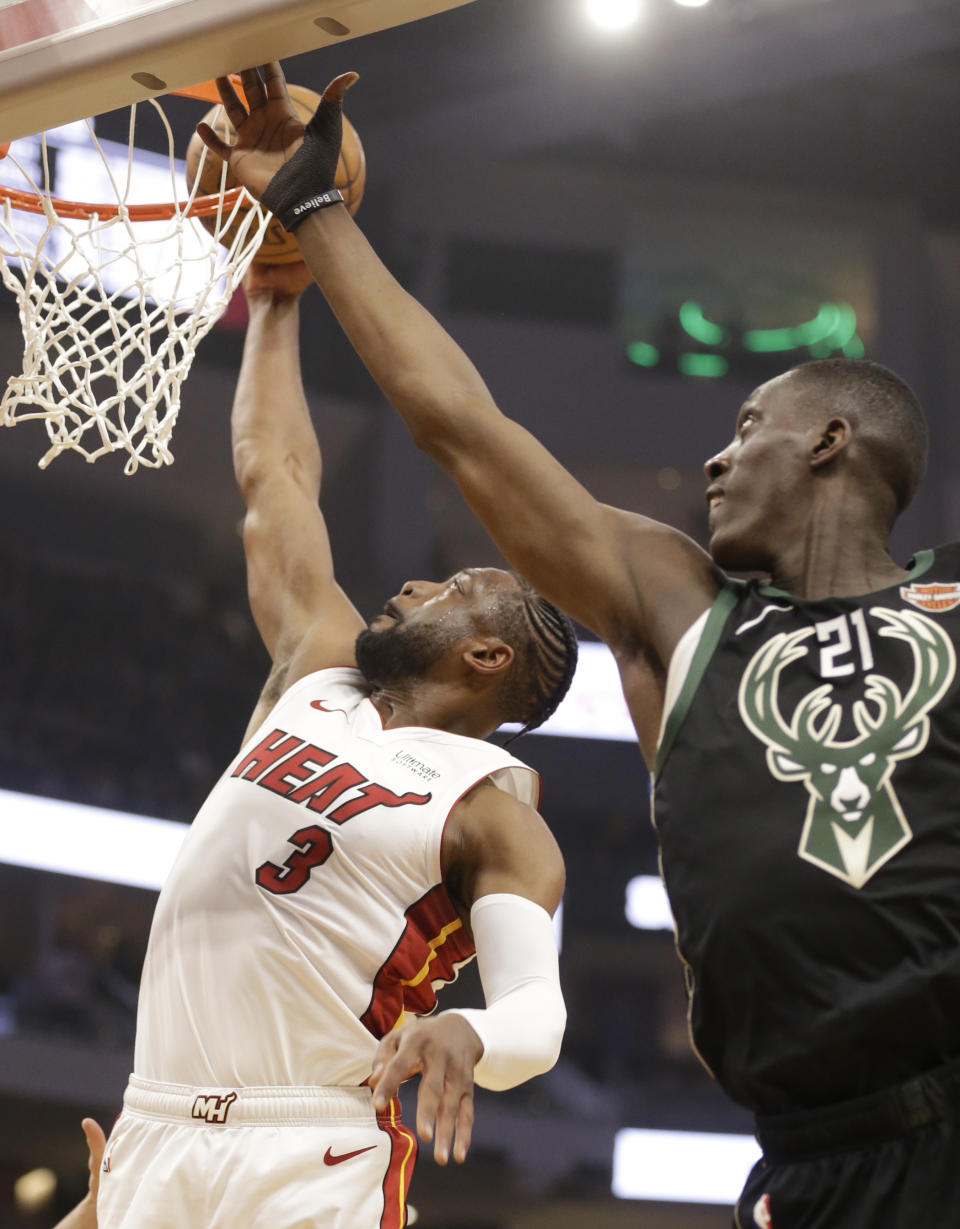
<point>268,129</point>
<point>444,1050</point>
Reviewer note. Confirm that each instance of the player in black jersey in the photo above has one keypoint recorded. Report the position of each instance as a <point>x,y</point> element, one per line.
<point>806,785</point>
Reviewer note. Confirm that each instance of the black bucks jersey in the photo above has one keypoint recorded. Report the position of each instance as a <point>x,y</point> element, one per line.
<point>807,802</point>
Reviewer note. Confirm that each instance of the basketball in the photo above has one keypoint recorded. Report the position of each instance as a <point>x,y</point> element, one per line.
<point>279,247</point>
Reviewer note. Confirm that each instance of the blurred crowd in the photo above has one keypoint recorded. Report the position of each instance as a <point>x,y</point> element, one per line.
<point>123,693</point>
<point>131,694</point>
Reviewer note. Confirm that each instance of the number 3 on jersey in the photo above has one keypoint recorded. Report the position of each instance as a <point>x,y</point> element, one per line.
<point>836,641</point>
<point>314,846</point>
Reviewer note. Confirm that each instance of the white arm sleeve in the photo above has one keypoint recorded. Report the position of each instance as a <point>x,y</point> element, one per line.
<point>522,1026</point>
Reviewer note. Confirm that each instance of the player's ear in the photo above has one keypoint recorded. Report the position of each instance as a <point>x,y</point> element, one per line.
<point>487,656</point>
<point>830,442</point>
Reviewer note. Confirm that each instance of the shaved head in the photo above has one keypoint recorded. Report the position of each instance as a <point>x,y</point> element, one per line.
<point>883,411</point>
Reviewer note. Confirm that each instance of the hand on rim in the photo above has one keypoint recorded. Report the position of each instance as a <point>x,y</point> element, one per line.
<point>268,130</point>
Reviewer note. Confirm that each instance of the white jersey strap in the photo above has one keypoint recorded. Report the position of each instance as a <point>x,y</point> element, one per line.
<point>679,667</point>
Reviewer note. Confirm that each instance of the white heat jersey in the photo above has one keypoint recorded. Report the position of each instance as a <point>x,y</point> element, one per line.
<point>306,912</point>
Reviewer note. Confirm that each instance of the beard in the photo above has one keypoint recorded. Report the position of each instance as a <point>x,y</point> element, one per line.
<point>399,653</point>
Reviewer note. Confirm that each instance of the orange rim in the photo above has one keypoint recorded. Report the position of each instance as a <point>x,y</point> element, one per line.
<point>207,91</point>
<point>200,207</point>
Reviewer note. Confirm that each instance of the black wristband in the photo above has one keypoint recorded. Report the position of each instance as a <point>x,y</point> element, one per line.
<point>306,181</point>
<point>290,219</point>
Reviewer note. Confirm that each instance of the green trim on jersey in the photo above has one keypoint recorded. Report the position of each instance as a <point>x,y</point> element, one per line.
<point>723,604</point>
<point>922,562</point>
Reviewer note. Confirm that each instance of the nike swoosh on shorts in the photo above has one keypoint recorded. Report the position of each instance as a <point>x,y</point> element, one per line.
<point>330,1159</point>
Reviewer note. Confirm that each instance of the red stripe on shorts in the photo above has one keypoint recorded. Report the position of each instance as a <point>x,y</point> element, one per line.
<point>403,1154</point>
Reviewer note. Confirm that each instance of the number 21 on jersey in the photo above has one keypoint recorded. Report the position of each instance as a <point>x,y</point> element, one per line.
<point>842,639</point>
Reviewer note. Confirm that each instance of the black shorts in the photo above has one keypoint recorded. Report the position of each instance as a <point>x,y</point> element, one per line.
<point>890,1160</point>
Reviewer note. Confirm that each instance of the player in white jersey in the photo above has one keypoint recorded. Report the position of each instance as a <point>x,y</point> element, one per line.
<point>362,845</point>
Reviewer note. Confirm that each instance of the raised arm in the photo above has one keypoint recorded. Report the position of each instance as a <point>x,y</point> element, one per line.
<point>305,619</point>
<point>637,583</point>
<point>625,576</point>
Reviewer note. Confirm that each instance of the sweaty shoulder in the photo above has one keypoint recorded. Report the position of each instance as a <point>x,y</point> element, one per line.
<point>493,842</point>
<point>670,581</point>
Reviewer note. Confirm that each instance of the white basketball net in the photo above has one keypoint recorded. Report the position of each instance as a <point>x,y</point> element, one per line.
<point>112,310</point>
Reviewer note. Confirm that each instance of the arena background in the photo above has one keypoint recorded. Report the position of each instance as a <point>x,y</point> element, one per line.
<point>555,194</point>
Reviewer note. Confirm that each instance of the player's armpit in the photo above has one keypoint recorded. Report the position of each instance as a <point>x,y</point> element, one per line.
<point>495,843</point>
<point>326,643</point>
<point>672,582</point>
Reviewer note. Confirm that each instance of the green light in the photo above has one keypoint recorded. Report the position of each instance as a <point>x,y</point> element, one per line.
<point>643,354</point>
<point>767,340</point>
<point>845,327</point>
<point>833,327</point>
<point>817,330</point>
<point>695,325</point>
<point>707,365</point>
<point>854,348</point>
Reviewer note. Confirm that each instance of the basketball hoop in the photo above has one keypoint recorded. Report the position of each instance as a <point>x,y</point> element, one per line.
<point>114,298</point>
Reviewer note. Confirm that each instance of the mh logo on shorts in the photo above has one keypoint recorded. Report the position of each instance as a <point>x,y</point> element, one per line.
<point>213,1108</point>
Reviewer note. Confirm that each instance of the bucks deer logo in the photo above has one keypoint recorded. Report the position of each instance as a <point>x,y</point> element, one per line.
<point>854,822</point>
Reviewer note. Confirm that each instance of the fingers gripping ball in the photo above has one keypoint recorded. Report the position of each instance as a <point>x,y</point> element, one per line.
<point>279,246</point>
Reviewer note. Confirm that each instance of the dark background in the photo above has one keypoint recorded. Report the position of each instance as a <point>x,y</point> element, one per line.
<point>551,194</point>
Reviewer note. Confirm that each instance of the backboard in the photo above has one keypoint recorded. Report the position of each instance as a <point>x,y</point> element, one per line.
<point>63,60</point>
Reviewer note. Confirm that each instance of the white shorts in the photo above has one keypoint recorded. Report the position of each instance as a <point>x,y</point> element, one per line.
<point>254,1158</point>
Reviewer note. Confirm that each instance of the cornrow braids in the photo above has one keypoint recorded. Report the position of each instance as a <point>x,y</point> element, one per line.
<point>552,657</point>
